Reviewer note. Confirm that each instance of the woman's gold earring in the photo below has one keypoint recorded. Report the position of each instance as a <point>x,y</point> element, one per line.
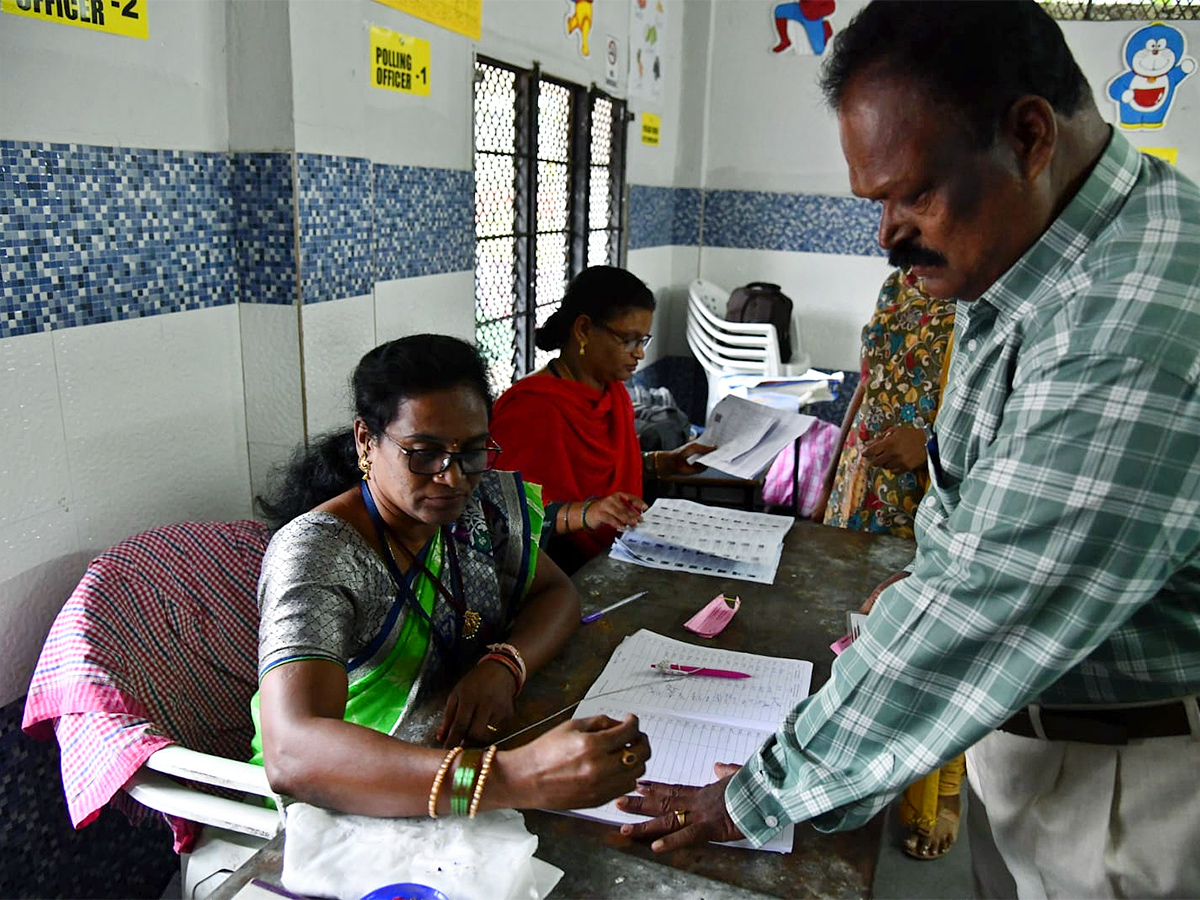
<point>364,465</point>
<point>582,345</point>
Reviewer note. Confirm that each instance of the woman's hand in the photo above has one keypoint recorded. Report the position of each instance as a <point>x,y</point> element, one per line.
<point>899,449</point>
<point>683,815</point>
<point>675,462</point>
<point>869,603</point>
<point>619,511</point>
<point>579,764</point>
<point>482,698</point>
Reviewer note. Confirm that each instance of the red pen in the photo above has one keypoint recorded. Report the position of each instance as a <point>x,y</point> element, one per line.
<point>633,506</point>
<point>698,670</point>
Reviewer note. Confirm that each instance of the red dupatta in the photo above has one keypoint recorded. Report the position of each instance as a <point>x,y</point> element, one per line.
<point>574,440</point>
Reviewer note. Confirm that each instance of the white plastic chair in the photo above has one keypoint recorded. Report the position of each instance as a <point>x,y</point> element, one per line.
<point>726,349</point>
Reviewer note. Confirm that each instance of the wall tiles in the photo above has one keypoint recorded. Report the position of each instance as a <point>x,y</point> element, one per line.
<point>651,215</point>
<point>265,227</point>
<point>424,221</point>
<point>811,223</point>
<point>334,202</point>
<point>94,234</point>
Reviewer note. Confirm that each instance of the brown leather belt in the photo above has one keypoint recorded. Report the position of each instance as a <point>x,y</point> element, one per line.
<point>1104,726</point>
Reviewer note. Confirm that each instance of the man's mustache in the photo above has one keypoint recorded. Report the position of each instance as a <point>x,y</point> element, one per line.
<point>906,254</point>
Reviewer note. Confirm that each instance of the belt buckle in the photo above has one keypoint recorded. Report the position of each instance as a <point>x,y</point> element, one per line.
<point>1060,725</point>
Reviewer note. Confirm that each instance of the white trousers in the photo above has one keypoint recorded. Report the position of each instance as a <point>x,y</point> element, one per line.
<point>1066,819</point>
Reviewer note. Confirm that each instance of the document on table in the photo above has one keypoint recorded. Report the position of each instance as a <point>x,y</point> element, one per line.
<point>748,436</point>
<point>695,721</point>
<point>686,536</point>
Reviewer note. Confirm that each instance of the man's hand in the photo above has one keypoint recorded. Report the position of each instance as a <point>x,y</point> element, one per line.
<point>683,814</point>
<point>899,449</point>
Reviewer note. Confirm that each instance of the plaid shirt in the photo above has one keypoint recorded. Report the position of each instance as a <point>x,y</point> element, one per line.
<point>1060,557</point>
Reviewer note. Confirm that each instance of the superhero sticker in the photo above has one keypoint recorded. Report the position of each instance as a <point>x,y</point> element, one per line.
<point>810,16</point>
<point>1157,61</point>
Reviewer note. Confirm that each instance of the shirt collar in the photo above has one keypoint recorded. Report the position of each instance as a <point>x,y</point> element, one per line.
<point>1093,206</point>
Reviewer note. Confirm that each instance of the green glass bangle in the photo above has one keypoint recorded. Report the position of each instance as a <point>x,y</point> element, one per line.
<point>464,782</point>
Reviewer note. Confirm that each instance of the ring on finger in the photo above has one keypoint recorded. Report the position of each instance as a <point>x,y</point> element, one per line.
<point>629,759</point>
<point>681,817</point>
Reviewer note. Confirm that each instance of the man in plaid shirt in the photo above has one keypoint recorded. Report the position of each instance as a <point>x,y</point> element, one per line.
<point>1051,616</point>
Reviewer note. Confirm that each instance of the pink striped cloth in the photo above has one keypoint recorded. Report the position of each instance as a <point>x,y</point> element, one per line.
<point>817,448</point>
<point>157,645</point>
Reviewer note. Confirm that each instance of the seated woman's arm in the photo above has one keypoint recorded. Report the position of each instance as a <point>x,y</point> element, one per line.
<point>312,754</point>
<point>484,695</point>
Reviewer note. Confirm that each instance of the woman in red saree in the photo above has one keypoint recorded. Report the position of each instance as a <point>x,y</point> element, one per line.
<point>569,426</point>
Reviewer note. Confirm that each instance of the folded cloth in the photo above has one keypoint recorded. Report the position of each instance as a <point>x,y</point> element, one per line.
<point>157,645</point>
<point>490,857</point>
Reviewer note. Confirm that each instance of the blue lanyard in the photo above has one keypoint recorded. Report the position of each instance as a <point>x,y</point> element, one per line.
<point>404,589</point>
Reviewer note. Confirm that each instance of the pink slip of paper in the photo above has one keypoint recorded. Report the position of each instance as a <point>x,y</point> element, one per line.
<point>711,620</point>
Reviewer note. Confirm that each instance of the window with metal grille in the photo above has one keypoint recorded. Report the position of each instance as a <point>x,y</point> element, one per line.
<point>549,186</point>
<point>1122,10</point>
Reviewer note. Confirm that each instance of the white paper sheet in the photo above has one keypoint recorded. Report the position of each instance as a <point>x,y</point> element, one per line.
<point>694,722</point>
<point>686,536</point>
<point>748,436</point>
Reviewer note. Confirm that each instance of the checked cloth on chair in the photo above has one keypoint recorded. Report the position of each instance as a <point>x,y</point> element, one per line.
<point>157,645</point>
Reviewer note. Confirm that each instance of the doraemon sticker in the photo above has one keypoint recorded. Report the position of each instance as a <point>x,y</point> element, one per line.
<point>1157,61</point>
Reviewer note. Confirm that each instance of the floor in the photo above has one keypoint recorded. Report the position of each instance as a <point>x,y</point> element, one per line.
<point>900,877</point>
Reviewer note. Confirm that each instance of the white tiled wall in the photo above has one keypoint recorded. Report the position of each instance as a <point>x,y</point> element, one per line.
<point>434,303</point>
<point>335,336</point>
<point>109,429</point>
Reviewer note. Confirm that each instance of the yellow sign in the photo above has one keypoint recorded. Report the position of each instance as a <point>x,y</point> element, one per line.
<point>123,17</point>
<point>461,16</point>
<point>651,125</point>
<point>399,62</point>
<point>1170,154</point>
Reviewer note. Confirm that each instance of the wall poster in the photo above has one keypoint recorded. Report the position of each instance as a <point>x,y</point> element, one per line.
<point>647,27</point>
<point>460,16</point>
<point>126,18</point>
<point>399,62</point>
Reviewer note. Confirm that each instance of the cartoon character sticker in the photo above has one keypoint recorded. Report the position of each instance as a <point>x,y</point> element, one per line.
<point>811,14</point>
<point>1157,63</point>
<point>580,19</point>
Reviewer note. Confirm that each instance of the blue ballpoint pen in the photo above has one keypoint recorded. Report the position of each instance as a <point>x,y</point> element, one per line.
<point>592,617</point>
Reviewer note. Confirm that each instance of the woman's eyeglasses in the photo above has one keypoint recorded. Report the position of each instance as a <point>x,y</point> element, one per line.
<point>630,343</point>
<point>437,460</point>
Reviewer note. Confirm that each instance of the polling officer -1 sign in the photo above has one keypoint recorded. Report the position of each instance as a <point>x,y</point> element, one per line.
<point>399,62</point>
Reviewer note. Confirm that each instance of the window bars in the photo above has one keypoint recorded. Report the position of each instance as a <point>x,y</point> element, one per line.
<point>549,184</point>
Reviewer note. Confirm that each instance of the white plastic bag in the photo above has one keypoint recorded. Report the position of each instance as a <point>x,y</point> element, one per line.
<point>490,857</point>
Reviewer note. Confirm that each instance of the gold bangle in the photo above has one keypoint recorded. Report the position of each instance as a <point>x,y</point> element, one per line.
<point>439,777</point>
<point>484,768</point>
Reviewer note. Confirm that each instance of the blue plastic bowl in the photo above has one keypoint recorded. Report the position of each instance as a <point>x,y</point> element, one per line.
<point>406,891</point>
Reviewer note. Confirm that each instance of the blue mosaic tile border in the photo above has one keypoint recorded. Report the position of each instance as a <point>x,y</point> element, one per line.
<point>424,221</point>
<point>93,234</point>
<point>687,217</point>
<point>651,215</point>
<point>334,198</point>
<point>265,227</point>
<point>799,222</point>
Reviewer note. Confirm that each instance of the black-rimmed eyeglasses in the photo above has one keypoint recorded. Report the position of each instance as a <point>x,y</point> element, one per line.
<point>437,460</point>
<point>630,343</point>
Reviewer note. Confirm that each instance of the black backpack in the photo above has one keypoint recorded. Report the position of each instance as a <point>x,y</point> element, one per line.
<point>760,301</point>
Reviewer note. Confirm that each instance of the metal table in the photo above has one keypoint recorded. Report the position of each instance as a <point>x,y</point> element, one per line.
<point>823,573</point>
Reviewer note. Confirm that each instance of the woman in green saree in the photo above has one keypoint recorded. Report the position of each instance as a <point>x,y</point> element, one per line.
<point>407,563</point>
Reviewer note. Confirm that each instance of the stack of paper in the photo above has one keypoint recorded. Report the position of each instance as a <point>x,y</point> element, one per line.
<point>685,536</point>
<point>749,435</point>
<point>695,721</point>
